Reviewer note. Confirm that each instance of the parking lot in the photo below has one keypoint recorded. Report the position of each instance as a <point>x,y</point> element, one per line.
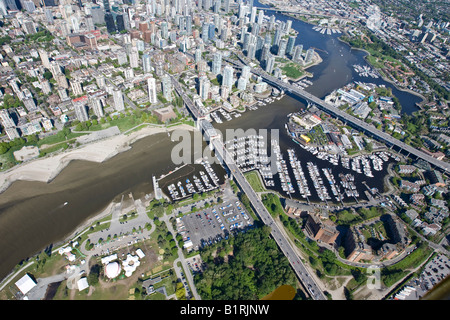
<point>434,272</point>
<point>210,225</point>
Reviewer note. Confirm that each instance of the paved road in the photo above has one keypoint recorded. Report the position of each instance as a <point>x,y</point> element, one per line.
<point>187,271</point>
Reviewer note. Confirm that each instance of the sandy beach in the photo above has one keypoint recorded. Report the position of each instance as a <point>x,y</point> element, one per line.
<point>46,169</point>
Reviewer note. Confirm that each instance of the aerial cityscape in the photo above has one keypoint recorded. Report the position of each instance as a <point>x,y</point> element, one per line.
<point>224,150</point>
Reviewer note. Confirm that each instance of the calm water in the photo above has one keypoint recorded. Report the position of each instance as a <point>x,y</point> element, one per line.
<point>31,213</point>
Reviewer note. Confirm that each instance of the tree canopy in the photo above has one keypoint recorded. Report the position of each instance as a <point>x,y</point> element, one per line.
<point>255,268</point>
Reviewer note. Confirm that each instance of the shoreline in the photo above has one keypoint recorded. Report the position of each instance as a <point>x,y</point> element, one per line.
<point>424,100</point>
<point>47,169</point>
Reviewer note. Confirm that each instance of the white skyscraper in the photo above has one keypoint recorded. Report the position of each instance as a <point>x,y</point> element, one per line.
<point>245,72</point>
<point>270,64</point>
<point>253,15</point>
<point>260,17</point>
<point>298,53</point>
<point>204,87</point>
<point>309,55</point>
<point>167,87</point>
<point>151,83</point>
<point>80,112</point>
<point>96,105</point>
<point>146,63</point>
<point>227,79</point>
<point>77,89</point>
<point>118,100</point>
<point>217,63</point>
<point>134,58</point>
<point>3,10</point>
<point>44,58</point>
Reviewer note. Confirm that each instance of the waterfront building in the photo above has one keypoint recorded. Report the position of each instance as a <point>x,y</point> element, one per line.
<point>298,53</point>
<point>290,45</point>
<point>324,231</point>
<point>118,100</point>
<point>242,83</point>
<point>97,107</point>
<point>81,112</point>
<point>309,55</point>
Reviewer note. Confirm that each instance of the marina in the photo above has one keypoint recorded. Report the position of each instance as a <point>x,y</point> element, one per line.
<point>321,189</point>
<point>302,84</point>
<point>299,174</point>
<point>365,71</point>
<point>326,30</point>
<point>207,181</point>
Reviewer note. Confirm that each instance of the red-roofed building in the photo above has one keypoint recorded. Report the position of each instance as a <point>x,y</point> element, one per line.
<point>80,99</point>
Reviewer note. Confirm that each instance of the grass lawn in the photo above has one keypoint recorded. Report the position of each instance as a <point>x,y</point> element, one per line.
<point>255,181</point>
<point>292,70</point>
<point>273,204</point>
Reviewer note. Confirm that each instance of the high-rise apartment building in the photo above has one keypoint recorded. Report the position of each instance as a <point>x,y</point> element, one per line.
<point>134,58</point>
<point>146,63</point>
<point>151,85</point>
<point>204,87</point>
<point>118,100</point>
<point>217,63</point>
<point>166,84</point>
<point>77,88</point>
<point>97,107</point>
<point>81,112</point>
<point>227,79</point>
<point>290,45</point>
